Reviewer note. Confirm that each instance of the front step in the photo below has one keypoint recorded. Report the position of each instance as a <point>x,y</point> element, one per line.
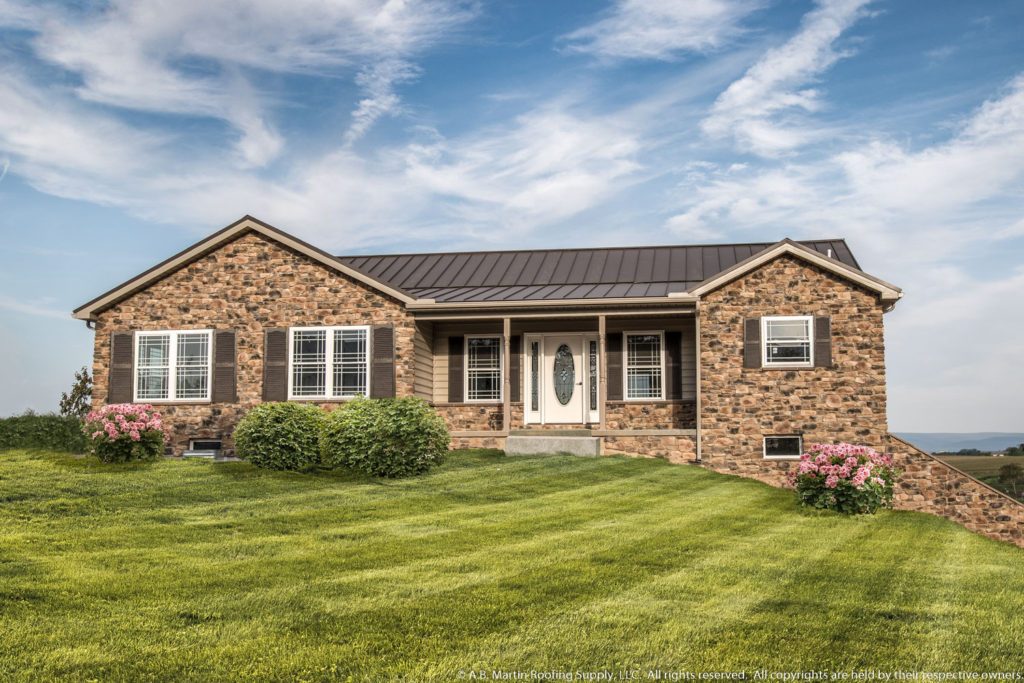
<point>550,442</point>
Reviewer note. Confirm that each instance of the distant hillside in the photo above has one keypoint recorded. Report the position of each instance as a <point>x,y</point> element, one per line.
<point>983,441</point>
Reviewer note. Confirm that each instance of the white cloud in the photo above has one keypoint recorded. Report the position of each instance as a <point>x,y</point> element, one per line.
<point>661,29</point>
<point>190,57</point>
<point>753,109</point>
<point>378,82</point>
<point>548,165</point>
<point>31,308</point>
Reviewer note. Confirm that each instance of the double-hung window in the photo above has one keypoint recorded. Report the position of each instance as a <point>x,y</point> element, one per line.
<point>787,341</point>
<point>172,365</point>
<point>328,362</point>
<point>483,368</point>
<point>645,366</point>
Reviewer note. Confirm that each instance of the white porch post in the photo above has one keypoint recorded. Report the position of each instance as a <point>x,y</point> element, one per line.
<point>696,334</point>
<point>602,371</point>
<point>506,415</point>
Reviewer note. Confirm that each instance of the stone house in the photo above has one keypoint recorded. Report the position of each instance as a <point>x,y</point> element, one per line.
<point>732,356</point>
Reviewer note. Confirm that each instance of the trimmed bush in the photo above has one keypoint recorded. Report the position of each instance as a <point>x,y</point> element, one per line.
<point>385,437</point>
<point>280,436</point>
<point>846,478</point>
<point>124,431</point>
<point>52,432</point>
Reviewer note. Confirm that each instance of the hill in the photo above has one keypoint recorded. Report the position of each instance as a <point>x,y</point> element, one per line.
<point>201,571</point>
<point>952,442</point>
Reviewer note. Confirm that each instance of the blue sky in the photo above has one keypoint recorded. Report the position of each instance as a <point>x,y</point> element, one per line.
<point>130,129</point>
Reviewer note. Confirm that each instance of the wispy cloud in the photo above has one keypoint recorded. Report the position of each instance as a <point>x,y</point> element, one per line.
<point>35,309</point>
<point>753,109</point>
<point>548,165</point>
<point>662,29</point>
<point>190,57</point>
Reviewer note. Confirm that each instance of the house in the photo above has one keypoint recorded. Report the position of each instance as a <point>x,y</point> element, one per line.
<point>731,355</point>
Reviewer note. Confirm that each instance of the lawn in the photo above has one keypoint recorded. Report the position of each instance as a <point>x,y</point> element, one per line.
<point>985,467</point>
<point>196,570</point>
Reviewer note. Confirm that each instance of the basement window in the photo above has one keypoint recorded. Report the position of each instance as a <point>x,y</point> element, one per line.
<point>783,447</point>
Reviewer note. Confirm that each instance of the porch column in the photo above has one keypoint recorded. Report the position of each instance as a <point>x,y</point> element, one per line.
<point>603,384</point>
<point>696,334</point>
<point>506,413</point>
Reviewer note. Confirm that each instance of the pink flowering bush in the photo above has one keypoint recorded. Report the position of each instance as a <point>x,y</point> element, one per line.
<point>846,478</point>
<point>125,431</point>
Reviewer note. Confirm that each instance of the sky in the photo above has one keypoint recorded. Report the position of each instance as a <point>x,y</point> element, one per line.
<point>130,129</point>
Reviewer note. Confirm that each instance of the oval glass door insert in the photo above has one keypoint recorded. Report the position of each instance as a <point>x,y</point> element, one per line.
<point>565,374</point>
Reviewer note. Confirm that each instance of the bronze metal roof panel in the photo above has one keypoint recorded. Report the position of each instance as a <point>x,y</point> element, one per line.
<point>566,273</point>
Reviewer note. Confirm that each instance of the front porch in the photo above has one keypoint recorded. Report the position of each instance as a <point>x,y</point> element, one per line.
<point>627,377</point>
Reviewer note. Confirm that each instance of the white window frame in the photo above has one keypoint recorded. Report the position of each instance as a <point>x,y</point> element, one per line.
<point>172,366</point>
<point>625,364</point>
<point>329,358</point>
<point>764,446</point>
<point>501,368</point>
<point>809,319</point>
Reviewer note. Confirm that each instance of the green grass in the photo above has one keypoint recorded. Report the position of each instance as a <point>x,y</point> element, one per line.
<point>985,468</point>
<point>177,570</point>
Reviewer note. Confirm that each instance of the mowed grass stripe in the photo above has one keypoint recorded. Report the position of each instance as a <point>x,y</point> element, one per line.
<point>230,573</point>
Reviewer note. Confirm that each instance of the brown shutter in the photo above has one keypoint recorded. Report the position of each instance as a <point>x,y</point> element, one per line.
<point>613,349</point>
<point>224,373</point>
<point>673,365</point>
<point>515,367</point>
<point>822,341</point>
<point>752,343</point>
<point>455,368</point>
<point>122,373</point>
<point>275,365</point>
<point>382,362</point>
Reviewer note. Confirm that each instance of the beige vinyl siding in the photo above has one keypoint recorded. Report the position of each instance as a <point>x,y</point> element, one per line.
<point>688,363</point>
<point>440,368</point>
<point>423,351</point>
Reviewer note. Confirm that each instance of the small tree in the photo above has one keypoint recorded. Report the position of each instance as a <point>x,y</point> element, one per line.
<point>76,404</point>
<point>1011,474</point>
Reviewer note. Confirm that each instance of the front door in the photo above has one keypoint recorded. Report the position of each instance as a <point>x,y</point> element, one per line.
<point>563,381</point>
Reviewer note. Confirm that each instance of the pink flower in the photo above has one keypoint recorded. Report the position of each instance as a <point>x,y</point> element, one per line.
<point>832,481</point>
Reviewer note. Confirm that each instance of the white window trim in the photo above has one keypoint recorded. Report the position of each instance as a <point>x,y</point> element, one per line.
<point>329,357</point>
<point>764,341</point>
<point>172,366</point>
<point>764,447</point>
<point>625,365</point>
<point>501,368</point>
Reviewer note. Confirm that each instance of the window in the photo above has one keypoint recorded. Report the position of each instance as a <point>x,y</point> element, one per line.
<point>534,376</point>
<point>783,447</point>
<point>172,365</point>
<point>644,365</point>
<point>787,341</point>
<point>328,362</point>
<point>483,368</point>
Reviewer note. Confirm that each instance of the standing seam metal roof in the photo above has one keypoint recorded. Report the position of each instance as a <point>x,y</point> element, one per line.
<point>548,274</point>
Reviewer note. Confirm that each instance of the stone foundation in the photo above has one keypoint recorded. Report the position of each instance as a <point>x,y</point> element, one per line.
<point>676,449</point>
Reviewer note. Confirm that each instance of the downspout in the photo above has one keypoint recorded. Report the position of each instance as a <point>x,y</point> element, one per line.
<point>697,407</point>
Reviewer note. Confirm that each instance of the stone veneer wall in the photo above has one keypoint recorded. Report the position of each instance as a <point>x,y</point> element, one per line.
<point>739,406</point>
<point>930,485</point>
<point>677,449</point>
<point>248,284</point>
<point>658,415</point>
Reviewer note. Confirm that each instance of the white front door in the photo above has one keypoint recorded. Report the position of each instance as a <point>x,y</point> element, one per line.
<point>563,380</point>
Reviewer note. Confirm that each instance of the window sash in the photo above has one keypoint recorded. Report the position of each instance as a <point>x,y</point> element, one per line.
<point>787,341</point>
<point>172,365</point>
<point>328,363</point>
<point>484,364</point>
<point>644,368</point>
<point>774,446</point>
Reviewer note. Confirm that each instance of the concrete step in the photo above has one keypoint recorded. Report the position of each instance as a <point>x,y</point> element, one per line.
<point>581,431</point>
<point>540,443</point>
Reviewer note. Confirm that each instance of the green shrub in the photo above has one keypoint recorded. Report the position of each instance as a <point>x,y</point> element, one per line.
<point>844,477</point>
<point>52,432</point>
<point>121,432</point>
<point>280,436</point>
<point>387,437</point>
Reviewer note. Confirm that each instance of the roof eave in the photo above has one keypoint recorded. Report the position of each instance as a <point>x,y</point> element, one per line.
<point>430,305</point>
<point>887,293</point>
<point>91,309</point>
